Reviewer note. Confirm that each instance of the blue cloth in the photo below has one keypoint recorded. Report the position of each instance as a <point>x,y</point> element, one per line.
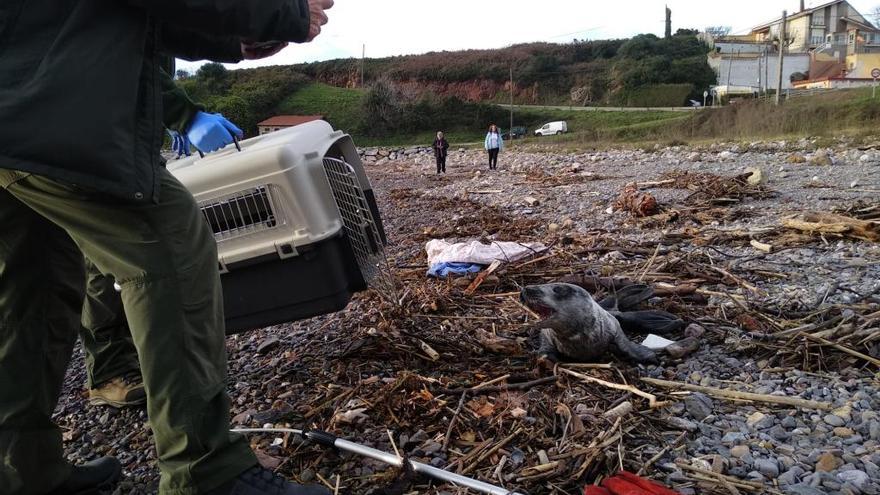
<point>493,140</point>
<point>442,270</point>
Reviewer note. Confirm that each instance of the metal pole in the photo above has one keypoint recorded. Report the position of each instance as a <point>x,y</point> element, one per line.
<point>782,40</point>
<point>363,57</point>
<point>874,89</point>
<point>329,440</point>
<point>418,467</point>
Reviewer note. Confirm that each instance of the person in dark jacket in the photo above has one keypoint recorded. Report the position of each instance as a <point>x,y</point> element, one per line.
<point>113,376</point>
<point>81,174</point>
<point>441,150</point>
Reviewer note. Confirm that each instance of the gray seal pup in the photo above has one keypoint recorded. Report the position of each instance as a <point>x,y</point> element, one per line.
<point>577,328</point>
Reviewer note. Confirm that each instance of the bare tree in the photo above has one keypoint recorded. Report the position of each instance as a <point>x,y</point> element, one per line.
<point>875,15</point>
<point>718,31</point>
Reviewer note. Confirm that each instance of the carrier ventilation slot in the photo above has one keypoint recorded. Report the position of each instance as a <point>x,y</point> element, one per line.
<point>360,227</point>
<point>243,213</point>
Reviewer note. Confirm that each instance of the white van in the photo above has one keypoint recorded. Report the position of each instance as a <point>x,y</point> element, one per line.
<point>552,128</point>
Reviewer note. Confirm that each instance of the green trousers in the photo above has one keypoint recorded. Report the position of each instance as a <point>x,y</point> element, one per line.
<point>164,257</point>
<point>106,339</point>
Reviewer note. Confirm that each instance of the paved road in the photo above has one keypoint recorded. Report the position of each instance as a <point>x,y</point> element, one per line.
<point>603,109</point>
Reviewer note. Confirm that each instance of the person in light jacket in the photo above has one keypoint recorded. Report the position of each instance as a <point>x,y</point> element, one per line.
<point>441,150</point>
<point>493,144</point>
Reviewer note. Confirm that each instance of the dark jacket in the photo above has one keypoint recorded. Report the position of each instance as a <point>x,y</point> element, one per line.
<point>440,147</point>
<point>80,92</point>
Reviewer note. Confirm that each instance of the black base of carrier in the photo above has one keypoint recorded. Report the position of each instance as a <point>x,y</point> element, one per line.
<point>270,290</point>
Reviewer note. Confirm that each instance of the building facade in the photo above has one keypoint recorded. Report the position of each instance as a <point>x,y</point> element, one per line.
<point>280,122</point>
<point>827,42</point>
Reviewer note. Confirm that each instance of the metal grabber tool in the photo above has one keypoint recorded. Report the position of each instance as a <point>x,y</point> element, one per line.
<point>328,440</point>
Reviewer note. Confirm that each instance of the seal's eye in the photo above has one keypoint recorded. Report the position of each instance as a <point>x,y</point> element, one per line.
<point>561,291</point>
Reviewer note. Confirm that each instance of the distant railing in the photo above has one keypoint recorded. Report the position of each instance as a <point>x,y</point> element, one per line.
<point>799,93</point>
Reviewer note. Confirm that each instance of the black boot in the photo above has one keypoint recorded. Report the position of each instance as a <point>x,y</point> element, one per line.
<point>91,478</point>
<point>260,481</point>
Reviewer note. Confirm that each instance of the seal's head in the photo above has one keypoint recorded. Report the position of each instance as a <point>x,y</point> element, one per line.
<point>563,301</point>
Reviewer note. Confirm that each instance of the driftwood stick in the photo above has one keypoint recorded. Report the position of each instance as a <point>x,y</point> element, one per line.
<point>851,352</point>
<point>652,399</point>
<point>734,394</point>
<point>495,448</point>
<point>729,479</point>
<point>500,388</point>
<point>481,277</point>
<point>452,421</point>
<point>660,454</point>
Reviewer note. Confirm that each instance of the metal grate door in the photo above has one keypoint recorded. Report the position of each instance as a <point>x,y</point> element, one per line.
<point>360,227</point>
<point>242,213</point>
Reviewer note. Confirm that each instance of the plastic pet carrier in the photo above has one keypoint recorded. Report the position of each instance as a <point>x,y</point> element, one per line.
<point>297,227</point>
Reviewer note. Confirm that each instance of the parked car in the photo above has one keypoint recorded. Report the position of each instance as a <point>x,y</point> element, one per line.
<point>518,132</point>
<point>552,129</point>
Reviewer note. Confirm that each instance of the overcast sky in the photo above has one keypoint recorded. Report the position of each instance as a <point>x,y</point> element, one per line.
<point>400,27</point>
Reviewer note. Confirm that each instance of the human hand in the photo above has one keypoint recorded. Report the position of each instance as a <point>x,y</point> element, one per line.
<point>255,50</point>
<point>317,16</point>
<point>179,143</point>
<point>211,131</point>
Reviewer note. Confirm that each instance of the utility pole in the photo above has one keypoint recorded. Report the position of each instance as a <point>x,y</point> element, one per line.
<point>363,57</point>
<point>510,130</point>
<point>668,22</point>
<point>782,39</point>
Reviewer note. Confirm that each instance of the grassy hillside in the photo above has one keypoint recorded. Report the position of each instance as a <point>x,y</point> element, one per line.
<point>851,112</point>
<point>343,108</point>
<point>593,72</point>
<point>339,106</point>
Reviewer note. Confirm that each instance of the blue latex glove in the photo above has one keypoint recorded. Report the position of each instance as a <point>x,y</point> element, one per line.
<point>179,143</point>
<point>211,131</point>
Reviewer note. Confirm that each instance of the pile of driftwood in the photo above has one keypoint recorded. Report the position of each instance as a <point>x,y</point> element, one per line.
<point>473,401</point>
<point>445,375</point>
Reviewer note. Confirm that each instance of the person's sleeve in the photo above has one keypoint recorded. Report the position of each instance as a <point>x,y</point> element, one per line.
<point>194,45</point>
<point>178,109</point>
<point>263,20</point>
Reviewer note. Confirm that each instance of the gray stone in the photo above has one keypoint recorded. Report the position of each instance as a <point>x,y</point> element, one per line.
<point>768,467</point>
<point>682,424</point>
<point>804,489</point>
<point>778,433</point>
<point>791,476</point>
<point>789,422</point>
<point>856,478</point>
<point>733,437</point>
<point>833,420</point>
<point>699,406</point>
<point>874,430</point>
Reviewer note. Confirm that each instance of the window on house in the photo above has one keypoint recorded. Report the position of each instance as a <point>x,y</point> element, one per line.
<point>852,38</point>
<point>819,18</point>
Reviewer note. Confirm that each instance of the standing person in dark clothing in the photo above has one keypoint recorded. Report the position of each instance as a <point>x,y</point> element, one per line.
<point>441,150</point>
<point>81,174</point>
<point>493,144</point>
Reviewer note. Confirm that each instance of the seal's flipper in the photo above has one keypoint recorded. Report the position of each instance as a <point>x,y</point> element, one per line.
<point>652,321</point>
<point>633,351</point>
<point>609,303</point>
<point>627,298</point>
<point>630,297</point>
